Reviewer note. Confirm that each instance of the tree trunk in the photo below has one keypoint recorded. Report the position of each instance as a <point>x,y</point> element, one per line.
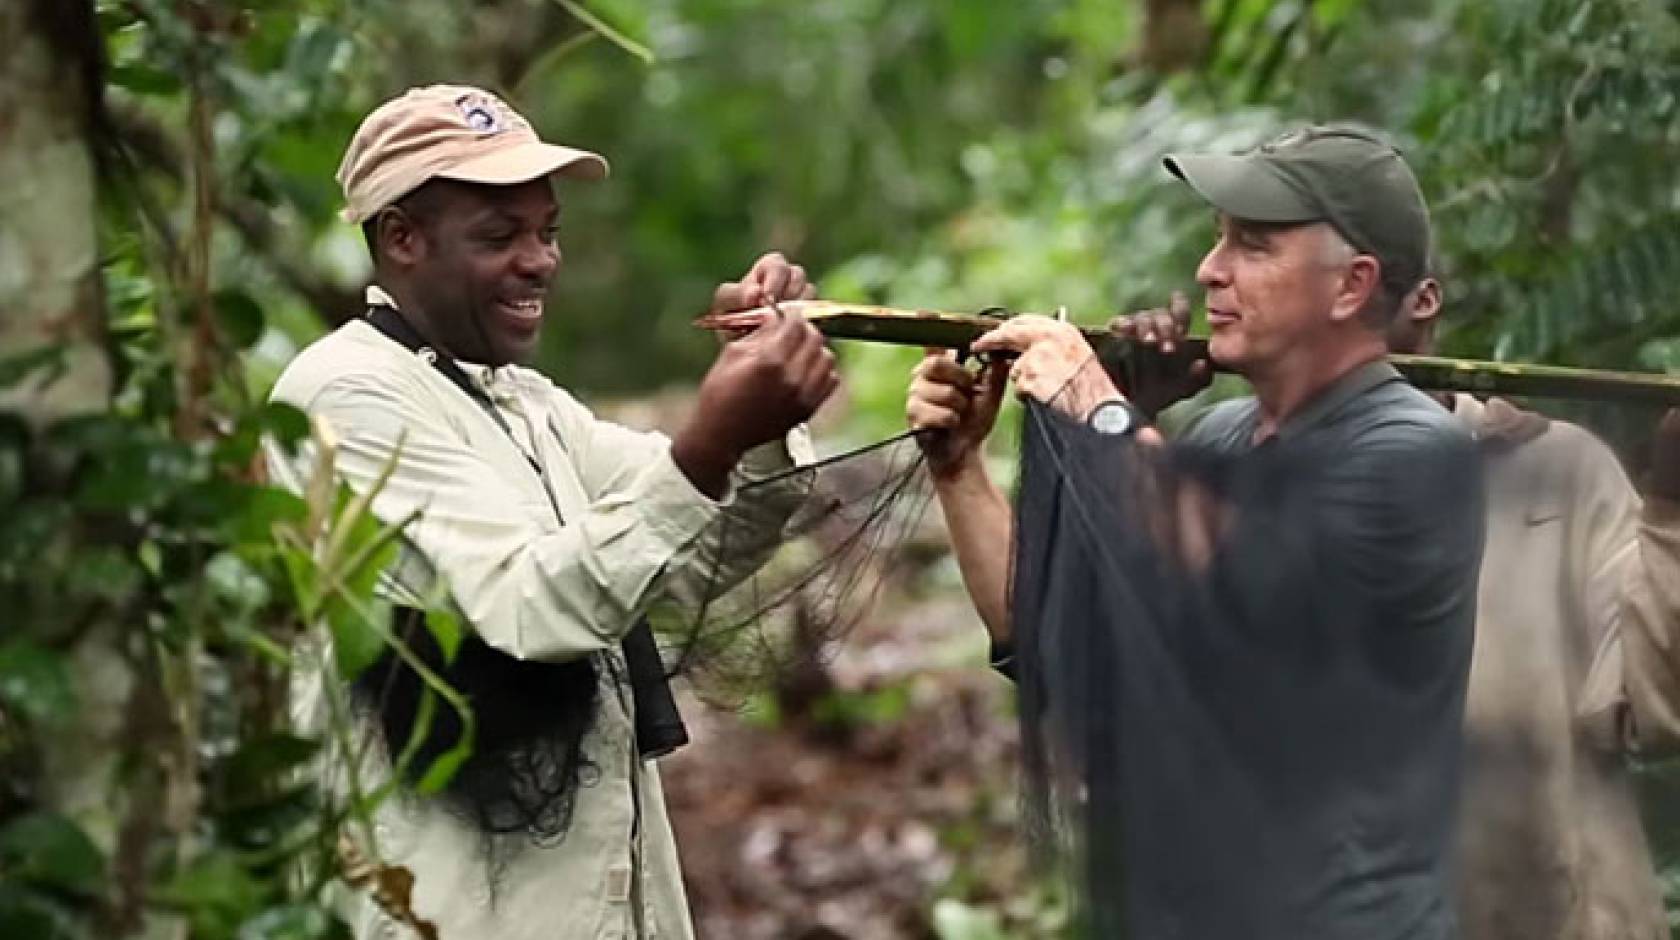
<point>1175,36</point>
<point>49,259</point>
<point>52,310</point>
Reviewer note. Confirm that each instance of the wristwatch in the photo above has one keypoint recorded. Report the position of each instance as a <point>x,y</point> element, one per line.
<point>1116,417</point>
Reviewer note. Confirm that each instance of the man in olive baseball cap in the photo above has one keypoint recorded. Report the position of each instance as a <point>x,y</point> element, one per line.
<point>1341,175</point>
<point>1288,615</point>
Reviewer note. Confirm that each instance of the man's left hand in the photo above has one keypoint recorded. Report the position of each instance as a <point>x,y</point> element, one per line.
<point>1054,364</point>
<point>772,278</point>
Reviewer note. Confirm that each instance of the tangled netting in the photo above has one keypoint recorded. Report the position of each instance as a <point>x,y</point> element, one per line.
<point>745,625</point>
<point>1242,670</point>
<point>531,717</point>
<point>782,573</point>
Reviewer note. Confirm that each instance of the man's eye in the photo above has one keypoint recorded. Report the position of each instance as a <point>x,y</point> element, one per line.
<point>497,239</point>
<point>550,234</point>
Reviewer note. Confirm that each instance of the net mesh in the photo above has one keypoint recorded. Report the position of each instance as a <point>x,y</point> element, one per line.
<point>1242,669</point>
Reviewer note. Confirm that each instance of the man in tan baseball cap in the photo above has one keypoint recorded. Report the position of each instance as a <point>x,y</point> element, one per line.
<point>450,132</point>
<point>547,531</point>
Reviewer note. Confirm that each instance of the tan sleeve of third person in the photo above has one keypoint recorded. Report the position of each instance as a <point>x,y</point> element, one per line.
<point>1651,628</point>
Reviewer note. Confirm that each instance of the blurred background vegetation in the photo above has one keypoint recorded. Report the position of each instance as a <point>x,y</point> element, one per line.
<point>936,153</point>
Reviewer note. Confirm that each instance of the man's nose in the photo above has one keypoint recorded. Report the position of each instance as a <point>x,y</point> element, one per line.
<point>538,260</point>
<point>1213,271</point>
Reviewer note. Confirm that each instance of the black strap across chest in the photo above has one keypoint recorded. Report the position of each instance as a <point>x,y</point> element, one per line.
<point>389,321</point>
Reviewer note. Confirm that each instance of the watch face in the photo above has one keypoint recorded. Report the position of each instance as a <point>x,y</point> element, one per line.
<point>1111,417</point>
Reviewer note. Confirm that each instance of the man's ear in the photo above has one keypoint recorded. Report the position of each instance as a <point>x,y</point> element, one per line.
<point>400,237</point>
<point>1423,305</point>
<point>1360,283</point>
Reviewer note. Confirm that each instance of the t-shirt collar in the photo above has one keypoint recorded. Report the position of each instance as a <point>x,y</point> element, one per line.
<point>1351,385</point>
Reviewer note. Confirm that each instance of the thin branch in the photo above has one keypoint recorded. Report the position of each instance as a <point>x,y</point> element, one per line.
<point>548,59</point>
<point>606,29</point>
<point>152,145</point>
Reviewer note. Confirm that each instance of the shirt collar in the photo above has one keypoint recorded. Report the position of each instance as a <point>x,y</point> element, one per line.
<point>1350,386</point>
<point>485,377</point>
<point>377,297</point>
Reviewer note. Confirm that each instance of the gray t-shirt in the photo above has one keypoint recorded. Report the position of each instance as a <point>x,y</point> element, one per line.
<point>1366,561</point>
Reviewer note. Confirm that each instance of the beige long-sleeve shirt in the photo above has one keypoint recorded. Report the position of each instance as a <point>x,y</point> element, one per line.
<point>631,529</point>
<point>1576,668</point>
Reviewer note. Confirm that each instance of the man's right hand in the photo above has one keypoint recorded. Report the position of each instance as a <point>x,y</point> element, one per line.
<point>948,398</point>
<point>760,388</point>
<point>1164,373</point>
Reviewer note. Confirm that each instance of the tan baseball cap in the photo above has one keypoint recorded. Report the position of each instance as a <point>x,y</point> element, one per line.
<point>451,132</point>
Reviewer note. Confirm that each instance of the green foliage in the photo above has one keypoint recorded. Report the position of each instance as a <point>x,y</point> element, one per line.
<point>46,850</point>
<point>156,588</point>
<point>1555,211</point>
<point>943,153</point>
<point>844,709</point>
<point>293,922</point>
<point>954,920</point>
<point>35,682</point>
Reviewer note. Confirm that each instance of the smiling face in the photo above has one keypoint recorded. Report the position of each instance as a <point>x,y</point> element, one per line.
<point>473,264</point>
<point>1272,291</point>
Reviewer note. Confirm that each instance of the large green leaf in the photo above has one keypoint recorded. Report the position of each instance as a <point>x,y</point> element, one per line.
<point>35,681</point>
<point>259,510</point>
<point>49,850</point>
<point>445,627</point>
<point>30,915</point>
<point>240,315</point>
<point>358,640</point>
<point>285,422</point>
<point>217,892</point>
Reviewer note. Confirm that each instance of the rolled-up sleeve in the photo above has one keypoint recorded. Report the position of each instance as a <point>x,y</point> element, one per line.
<point>737,535</point>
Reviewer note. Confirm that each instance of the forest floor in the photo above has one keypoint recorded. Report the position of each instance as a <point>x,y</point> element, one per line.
<point>872,796</point>
<point>894,790</point>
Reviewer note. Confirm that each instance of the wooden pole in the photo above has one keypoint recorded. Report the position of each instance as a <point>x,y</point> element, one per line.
<point>939,328</point>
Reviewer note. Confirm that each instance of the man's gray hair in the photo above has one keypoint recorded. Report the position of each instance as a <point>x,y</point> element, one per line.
<point>1385,302</point>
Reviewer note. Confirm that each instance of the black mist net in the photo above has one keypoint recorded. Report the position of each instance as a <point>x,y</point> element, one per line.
<point>1242,670</point>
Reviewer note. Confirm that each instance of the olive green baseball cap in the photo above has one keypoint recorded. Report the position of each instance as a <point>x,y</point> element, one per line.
<point>1345,176</point>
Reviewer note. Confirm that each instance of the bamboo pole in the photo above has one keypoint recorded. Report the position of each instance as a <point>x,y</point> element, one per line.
<point>939,328</point>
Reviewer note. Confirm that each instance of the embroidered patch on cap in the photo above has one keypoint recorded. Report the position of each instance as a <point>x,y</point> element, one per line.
<point>480,114</point>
